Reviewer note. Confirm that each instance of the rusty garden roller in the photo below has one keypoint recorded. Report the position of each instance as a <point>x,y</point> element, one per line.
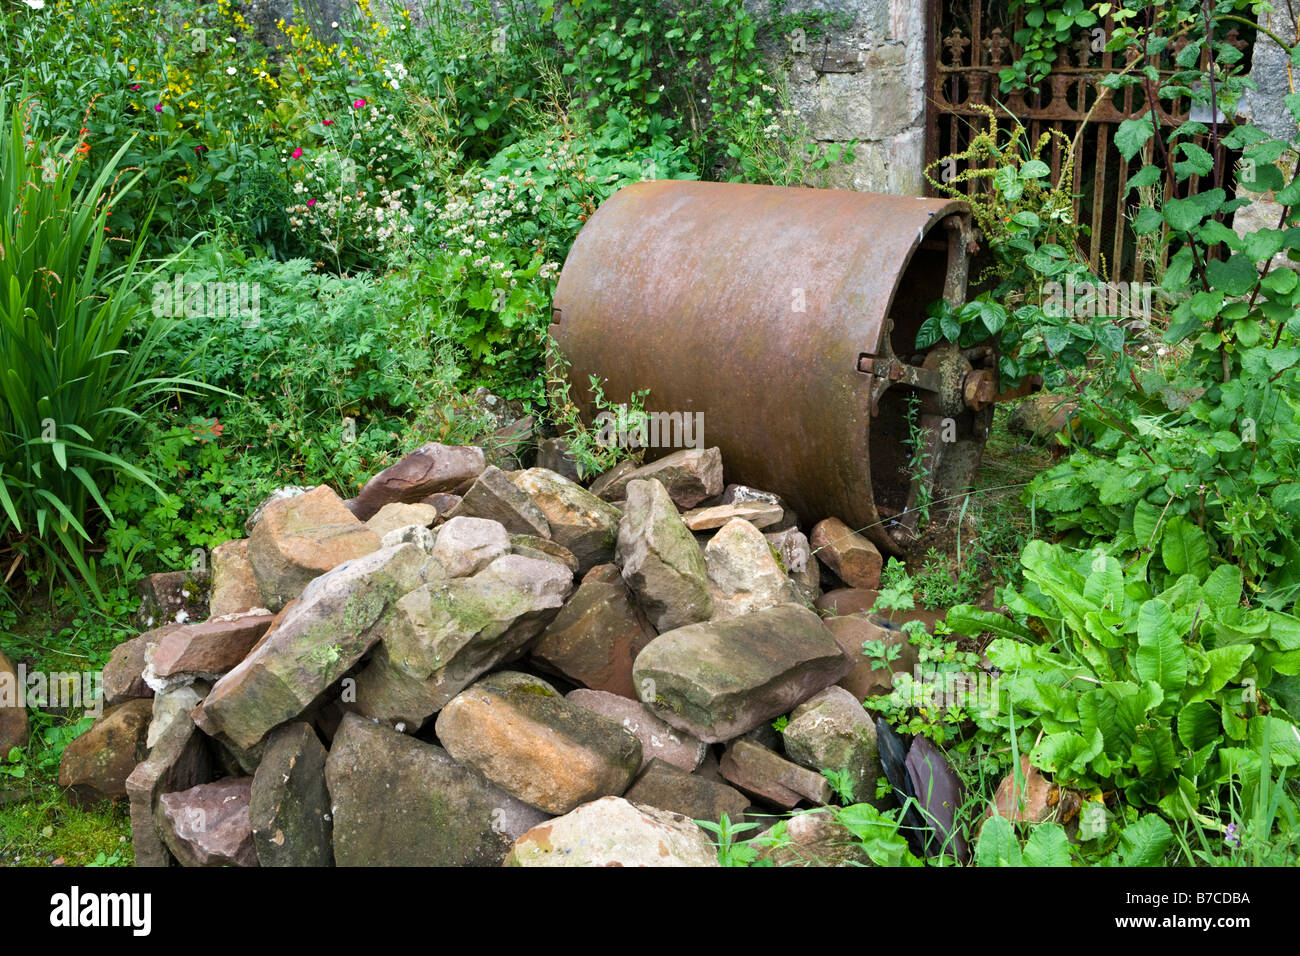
<point>788,317</point>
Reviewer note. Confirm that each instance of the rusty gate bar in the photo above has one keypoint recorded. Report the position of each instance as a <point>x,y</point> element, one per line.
<point>967,45</point>
<point>787,316</point>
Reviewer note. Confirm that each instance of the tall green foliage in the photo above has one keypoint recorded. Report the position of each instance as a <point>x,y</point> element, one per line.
<point>74,374</point>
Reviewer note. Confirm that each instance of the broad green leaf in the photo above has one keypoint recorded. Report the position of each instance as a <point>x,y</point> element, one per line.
<point>1184,547</point>
<point>1132,135</point>
<point>1160,656</point>
<point>1047,846</point>
<point>997,844</point>
<point>1145,842</point>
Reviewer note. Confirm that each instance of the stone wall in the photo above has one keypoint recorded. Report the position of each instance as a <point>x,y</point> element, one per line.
<point>865,82</point>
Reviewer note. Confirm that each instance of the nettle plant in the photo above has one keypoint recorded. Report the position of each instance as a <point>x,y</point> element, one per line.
<point>1210,439</point>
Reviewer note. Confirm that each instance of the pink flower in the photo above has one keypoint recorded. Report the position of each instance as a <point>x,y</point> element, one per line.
<point>157,107</point>
<point>296,153</point>
<point>328,122</point>
<point>310,203</point>
<point>357,104</point>
<point>136,87</point>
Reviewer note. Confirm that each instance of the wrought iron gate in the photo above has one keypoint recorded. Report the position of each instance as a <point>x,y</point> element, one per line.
<point>969,42</point>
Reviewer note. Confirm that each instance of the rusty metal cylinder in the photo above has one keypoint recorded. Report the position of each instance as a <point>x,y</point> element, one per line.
<point>788,318</point>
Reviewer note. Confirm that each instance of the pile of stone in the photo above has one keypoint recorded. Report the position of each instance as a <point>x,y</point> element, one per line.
<point>468,666</point>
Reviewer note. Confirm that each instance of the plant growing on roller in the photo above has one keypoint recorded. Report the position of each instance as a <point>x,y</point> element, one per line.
<point>77,367</point>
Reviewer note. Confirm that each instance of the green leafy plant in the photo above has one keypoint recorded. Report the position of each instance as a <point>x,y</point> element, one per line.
<point>1115,684</point>
<point>79,362</point>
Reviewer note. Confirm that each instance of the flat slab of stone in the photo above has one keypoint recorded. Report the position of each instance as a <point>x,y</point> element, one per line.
<point>815,838</point>
<point>523,736</point>
<point>430,469</point>
<point>300,538</point>
<point>208,825</point>
<point>327,630</point>
<point>596,636</point>
<point>757,513</point>
<point>722,678</point>
<point>210,648</point>
<point>659,740</point>
<point>666,787</point>
<point>771,777</point>
<point>531,546</point>
<point>398,801</point>
<point>289,807</point>
<point>614,832</point>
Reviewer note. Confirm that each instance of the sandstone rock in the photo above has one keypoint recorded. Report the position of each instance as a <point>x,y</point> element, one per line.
<point>397,801</point>
<point>325,633</point>
<point>208,825</point>
<point>124,672</point>
<point>174,705</point>
<point>172,597</point>
<point>666,787</point>
<point>388,694</point>
<point>13,716</point>
<point>849,555</point>
<point>280,494</point>
<point>745,495</point>
<point>613,832</point>
<point>467,545</point>
<point>690,476</point>
<point>96,764</point>
<point>399,514</point>
<point>757,513</point>
<point>661,562</point>
<point>795,554</point>
<point>847,601</point>
<point>531,546</point>
<point>449,633</point>
<point>770,777</point>
<point>597,635</point>
<point>179,760</point>
<point>865,680</point>
<point>234,585</point>
<point>579,520</point>
<point>210,648</point>
<point>429,469</point>
<point>832,732</point>
<point>615,478</point>
<point>443,501</point>
<point>658,739</point>
<point>300,538</point>
<point>289,806</point>
<point>814,838</point>
<point>553,455</point>
<point>497,498</point>
<point>719,679</point>
<point>1031,803</point>
<point>415,534</point>
<point>744,575</point>
<point>528,740</point>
